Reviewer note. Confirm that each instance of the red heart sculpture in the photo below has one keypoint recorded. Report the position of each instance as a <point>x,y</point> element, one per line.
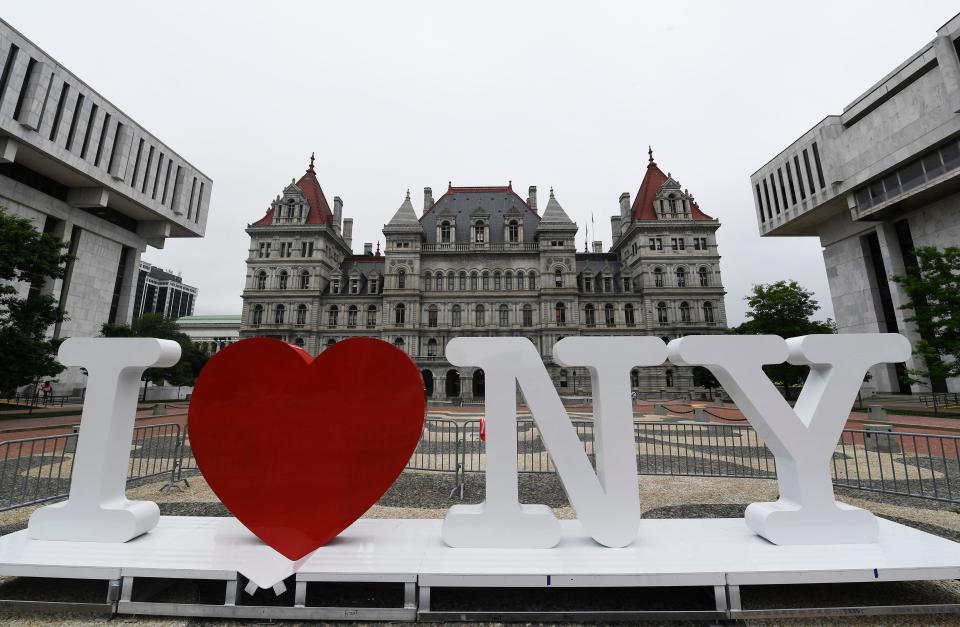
<point>299,448</point>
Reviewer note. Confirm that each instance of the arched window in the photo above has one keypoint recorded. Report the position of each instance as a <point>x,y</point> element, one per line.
<point>432,316</point>
<point>658,277</point>
<point>669,378</point>
<point>608,315</point>
<point>431,347</point>
<point>279,314</point>
<point>455,316</point>
<point>635,378</point>
<point>533,280</point>
<point>473,280</point>
<point>590,316</point>
<point>299,342</point>
<point>282,279</point>
<point>508,280</point>
<point>478,232</point>
<point>332,315</point>
<point>504,316</point>
<point>521,280</point>
<point>301,314</point>
<point>558,278</point>
<point>439,278</point>
<point>463,280</point>
<point>684,312</point>
<point>481,316</point>
<point>256,317</point>
<point>708,312</point>
<point>704,276</point>
<point>331,342</point>
<point>560,313</point>
<point>451,280</point>
<point>497,280</point>
<point>401,279</point>
<point>261,280</point>
<point>444,232</point>
<point>398,342</point>
<point>628,315</point>
<point>527,316</point>
<point>400,314</point>
<point>662,312</point>
<point>427,281</point>
<point>352,316</point>
<point>486,280</point>
<point>304,280</point>
<point>681,277</point>
<point>371,316</point>
<point>513,232</point>
<point>563,378</point>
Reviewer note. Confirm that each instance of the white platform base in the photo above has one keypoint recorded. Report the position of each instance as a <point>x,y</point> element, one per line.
<point>718,553</point>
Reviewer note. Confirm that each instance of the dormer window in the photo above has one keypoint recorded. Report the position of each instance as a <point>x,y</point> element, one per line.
<point>335,286</point>
<point>513,232</point>
<point>478,232</point>
<point>444,232</point>
<point>587,284</point>
<point>354,286</point>
<point>374,286</point>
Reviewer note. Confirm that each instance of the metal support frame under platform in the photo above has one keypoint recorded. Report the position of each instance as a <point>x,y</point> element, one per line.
<point>407,558</point>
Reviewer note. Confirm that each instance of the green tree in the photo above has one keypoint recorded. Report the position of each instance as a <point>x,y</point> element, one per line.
<point>27,257</point>
<point>784,308</point>
<point>192,359</point>
<point>933,286</point>
<point>702,377</point>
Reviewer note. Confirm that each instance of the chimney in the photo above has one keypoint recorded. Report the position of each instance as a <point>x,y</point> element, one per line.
<point>597,246</point>
<point>624,205</point>
<point>368,249</point>
<point>532,198</point>
<point>337,213</point>
<point>615,228</point>
<point>348,232</point>
<point>427,199</point>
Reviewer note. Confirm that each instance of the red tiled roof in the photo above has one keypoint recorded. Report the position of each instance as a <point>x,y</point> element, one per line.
<point>319,211</point>
<point>653,180</point>
<point>265,220</point>
<point>696,213</point>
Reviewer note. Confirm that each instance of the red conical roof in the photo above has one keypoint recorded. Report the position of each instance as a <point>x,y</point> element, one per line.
<point>319,211</point>
<point>653,180</point>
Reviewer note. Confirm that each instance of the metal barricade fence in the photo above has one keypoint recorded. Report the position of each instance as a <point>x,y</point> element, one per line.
<point>37,470</point>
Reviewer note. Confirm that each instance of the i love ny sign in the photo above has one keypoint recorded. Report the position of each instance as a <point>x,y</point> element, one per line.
<point>298,448</point>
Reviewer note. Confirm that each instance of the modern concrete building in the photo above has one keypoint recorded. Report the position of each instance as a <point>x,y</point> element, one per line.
<point>163,292</point>
<point>81,169</point>
<point>484,261</point>
<point>874,183</point>
<point>211,333</point>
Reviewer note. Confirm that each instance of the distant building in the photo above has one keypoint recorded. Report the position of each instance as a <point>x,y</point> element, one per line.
<point>83,171</point>
<point>484,261</point>
<point>874,183</point>
<point>161,291</point>
<point>211,333</point>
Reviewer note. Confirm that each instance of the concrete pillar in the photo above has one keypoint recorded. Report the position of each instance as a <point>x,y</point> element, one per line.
<point>949,66</point>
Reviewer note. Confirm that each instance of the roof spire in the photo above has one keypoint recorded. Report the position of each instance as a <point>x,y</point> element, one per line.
<point>310,169</point>
<point>378,248</point>
<point>408,193</point>
<point>650,152</point>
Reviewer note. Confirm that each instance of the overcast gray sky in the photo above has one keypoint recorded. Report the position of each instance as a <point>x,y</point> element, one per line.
<point>400,95</point>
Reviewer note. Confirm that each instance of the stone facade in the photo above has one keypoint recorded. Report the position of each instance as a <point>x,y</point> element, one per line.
<point>873,183</point>
<point>484,261</point>
<point>211,333</point>
<point>82,170</point>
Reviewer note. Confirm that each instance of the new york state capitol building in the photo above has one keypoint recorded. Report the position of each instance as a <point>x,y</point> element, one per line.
<point>484,261</point>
